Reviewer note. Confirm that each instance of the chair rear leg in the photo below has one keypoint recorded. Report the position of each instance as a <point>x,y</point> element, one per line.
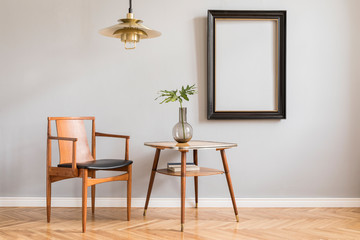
<point>48,198</point>
<point>84,174</point>
<point>93,175</point>
<point>129,192</point>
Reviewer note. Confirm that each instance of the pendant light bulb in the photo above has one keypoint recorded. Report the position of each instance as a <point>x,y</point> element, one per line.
<point>129,30</point>
<point>130,45</point>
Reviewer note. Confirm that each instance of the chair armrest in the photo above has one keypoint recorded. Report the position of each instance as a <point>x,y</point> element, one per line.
<point>73,140</point>
<point>63,138</point>
<point>99,134</point>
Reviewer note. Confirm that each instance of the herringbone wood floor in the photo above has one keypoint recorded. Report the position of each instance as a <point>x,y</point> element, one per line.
<point>202,223</point>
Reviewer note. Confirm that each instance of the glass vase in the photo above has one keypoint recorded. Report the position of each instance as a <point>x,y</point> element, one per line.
<point>182,131</point>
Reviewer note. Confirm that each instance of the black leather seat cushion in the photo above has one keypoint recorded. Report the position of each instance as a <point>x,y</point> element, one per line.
<point>103,164</point>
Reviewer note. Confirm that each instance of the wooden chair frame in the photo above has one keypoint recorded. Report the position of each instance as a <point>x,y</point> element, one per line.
<point>54,174</point>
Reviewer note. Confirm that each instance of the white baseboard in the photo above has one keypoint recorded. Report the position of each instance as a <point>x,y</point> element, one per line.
<point>175,202</point>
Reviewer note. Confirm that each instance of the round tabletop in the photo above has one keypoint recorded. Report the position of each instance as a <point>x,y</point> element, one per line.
<point>192,145</point>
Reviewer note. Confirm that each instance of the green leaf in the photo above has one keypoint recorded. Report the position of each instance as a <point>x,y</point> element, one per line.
<point>176,95</point>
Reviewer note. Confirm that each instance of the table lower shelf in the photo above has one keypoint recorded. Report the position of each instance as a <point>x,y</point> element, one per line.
<point>202,172</point>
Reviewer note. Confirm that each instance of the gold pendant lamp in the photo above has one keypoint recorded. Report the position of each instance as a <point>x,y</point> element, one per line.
<point>129,30</point>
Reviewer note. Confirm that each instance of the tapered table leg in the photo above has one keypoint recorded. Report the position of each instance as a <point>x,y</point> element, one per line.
<point>196,178</point>
<point>152,177</point>
<point>228,178</point>
<point>183,188</point>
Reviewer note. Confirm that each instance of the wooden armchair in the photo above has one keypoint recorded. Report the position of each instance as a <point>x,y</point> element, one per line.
<point>77,161</point>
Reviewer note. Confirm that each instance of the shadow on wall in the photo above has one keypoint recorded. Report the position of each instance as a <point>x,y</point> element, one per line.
<point>200,35</point>
<point>353,168</point>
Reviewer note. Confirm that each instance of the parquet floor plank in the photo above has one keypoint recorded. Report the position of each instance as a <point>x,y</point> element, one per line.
<point>201,224</point>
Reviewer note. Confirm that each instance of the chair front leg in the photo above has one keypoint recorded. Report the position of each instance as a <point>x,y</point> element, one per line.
<point>48,197</point>
<point>92,175</point>
<point>84,174</point>
<point>129,192</point>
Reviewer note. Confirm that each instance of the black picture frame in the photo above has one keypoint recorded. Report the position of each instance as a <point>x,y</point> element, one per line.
<point>279,111</point>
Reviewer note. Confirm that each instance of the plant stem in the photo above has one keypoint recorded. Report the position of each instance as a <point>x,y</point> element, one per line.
<point>182,120</point>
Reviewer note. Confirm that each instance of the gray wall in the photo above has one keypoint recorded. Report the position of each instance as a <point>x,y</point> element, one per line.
<point>54,63</point>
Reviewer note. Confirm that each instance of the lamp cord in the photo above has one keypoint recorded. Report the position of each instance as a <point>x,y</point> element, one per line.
<point>130,8</point>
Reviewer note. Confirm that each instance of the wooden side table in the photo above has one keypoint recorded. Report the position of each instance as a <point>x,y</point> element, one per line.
<point>183,148</point>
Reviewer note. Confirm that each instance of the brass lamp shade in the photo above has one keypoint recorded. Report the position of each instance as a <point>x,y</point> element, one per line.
<point>129,30</point>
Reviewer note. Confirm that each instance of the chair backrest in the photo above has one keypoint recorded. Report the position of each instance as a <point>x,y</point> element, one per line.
<point>74,128</point>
